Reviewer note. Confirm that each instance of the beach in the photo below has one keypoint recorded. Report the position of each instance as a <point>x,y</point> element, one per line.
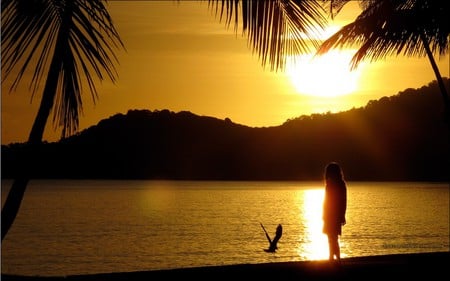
<point>432,266</point>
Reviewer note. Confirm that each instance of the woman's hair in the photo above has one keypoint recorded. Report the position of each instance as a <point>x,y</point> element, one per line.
<point>333,172</point>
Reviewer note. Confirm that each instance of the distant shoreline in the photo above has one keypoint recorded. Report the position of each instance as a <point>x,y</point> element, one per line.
<point>398,138</point>
<point>379,267</point>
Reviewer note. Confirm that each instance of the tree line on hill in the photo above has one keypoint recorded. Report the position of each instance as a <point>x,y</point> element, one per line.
<point>402,137</point>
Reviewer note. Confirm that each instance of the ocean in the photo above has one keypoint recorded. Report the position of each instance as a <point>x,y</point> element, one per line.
<point>68,227</point>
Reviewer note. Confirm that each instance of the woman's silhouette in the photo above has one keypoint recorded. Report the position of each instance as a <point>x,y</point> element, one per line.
<point>334,207</point>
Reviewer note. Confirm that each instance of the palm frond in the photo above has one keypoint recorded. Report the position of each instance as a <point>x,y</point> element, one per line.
<point>387,27</point>
<point>275,29</point>
<point>79,33</point>
<point>334,7</point>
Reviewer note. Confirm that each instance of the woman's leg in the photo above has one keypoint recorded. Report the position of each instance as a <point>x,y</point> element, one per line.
<point>337,250</point>
<point>333,245</point>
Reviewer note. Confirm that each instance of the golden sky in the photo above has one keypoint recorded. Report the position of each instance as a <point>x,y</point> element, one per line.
<point>181,57</point>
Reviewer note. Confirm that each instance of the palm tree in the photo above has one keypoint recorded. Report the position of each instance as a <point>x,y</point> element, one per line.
<point>66,38</point>
<point>67,41</point>
<point>392,27</point>
<point>72,31</point>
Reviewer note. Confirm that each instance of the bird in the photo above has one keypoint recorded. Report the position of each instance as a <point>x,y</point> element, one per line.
<point>273,243</point>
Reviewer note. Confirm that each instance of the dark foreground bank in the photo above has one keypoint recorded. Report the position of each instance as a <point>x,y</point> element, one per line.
<point>431,266</point>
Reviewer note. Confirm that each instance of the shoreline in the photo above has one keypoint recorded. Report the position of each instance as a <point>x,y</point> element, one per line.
<point>412,265</point>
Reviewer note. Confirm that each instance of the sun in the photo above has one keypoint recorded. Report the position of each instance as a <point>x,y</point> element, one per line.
<point>328,75</point>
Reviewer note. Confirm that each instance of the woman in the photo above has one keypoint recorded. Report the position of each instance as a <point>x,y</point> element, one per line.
<point>334,207</point>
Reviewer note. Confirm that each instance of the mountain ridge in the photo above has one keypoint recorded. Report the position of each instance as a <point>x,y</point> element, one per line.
<point>402,137</point>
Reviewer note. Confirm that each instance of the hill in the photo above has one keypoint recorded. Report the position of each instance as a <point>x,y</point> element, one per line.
<point>402,137</point>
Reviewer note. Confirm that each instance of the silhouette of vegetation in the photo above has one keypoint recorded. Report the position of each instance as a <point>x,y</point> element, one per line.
<point>65,37</point>
<point>66,42</point>
<point>410,27</point>
<point>402,137</point>
<point>273,26</point>
<point>383,28</point>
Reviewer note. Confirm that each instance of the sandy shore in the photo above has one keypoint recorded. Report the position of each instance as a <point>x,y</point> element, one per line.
<point>431,266</point>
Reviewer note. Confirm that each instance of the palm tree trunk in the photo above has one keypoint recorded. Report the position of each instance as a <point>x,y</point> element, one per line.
<point>439,79</point>
<point>12,203</point>
<point>17,191</point>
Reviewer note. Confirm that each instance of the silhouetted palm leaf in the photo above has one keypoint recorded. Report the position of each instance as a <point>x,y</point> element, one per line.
<point>73,38</point>
<point>397,27</point>
<point>276,28</point>
<point>389,27</point>
<point>66,42</point>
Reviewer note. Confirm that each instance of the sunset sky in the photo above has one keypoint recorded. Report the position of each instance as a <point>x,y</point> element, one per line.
<point>179,56</point>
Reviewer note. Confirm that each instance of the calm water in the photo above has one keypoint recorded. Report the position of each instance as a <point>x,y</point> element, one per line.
<point>75,227</point>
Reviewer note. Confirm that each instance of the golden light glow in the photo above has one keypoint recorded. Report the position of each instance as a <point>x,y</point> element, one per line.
<point>328,75</point>
<point>316,245</point>
<point>171,45</point>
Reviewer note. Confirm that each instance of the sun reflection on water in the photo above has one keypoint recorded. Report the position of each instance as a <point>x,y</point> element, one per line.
<point>315,246</point>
